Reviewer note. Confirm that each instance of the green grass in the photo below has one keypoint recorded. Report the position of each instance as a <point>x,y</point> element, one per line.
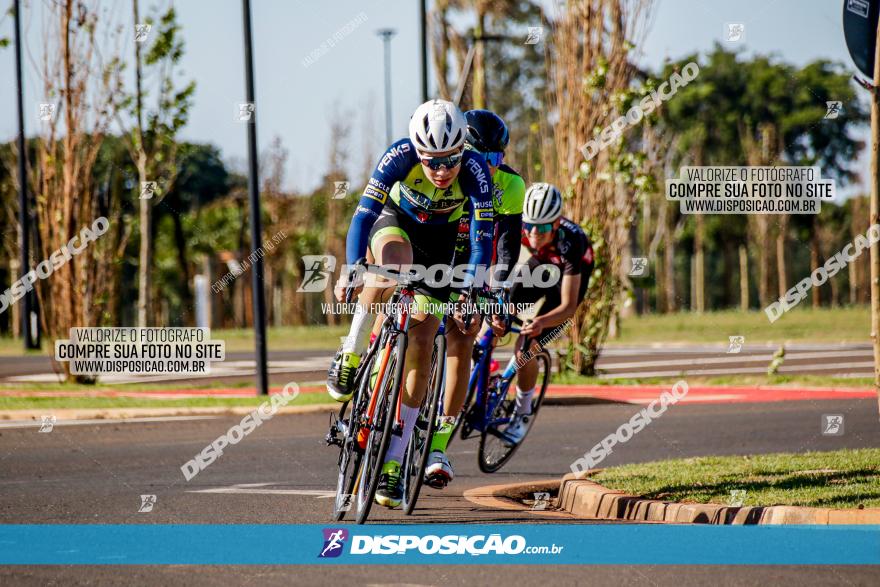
<point>64,386</point>
<point>802,324</point>
<point>781,380</point>
<point>838,479</point>
<point>89,403</point>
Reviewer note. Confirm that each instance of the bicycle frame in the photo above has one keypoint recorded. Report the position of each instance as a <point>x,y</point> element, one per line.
<point>480,377</point>
<point>398,318</point>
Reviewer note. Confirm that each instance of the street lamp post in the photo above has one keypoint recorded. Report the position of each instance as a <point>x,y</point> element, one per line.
<point>423,41</point>
<point>23,214</point>
<point>259,301</point>
<point>386,35</point>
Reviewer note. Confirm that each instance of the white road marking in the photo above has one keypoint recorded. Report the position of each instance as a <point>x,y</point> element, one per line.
<point>37,424</point>
<point>259,489</point>
<point>764,358</point>
<point>867,365</point>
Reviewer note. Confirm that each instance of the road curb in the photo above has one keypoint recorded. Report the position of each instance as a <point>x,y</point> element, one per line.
<point>510,496</point>
<point>585,499</point>
<point>135,413</point>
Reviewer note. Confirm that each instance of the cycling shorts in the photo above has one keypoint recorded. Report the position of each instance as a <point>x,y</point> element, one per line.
<point>432,244</point>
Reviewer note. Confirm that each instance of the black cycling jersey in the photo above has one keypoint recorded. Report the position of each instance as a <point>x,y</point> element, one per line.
<point>570,250</point>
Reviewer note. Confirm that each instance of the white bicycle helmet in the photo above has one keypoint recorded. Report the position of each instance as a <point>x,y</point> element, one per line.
<point>437,126</point>
<point>543,204</point>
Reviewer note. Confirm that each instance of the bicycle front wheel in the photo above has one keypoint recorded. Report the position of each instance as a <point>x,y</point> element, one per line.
<point>495,447</point>
<point>419,446</point>
<point>380,429</point>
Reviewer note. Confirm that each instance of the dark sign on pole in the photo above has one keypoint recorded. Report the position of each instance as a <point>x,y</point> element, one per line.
<point>860,30</point>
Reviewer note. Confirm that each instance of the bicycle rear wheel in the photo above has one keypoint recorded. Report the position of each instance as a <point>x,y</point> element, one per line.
<point>495,450</point>
<point>418,449</point>
<point>380,429</point>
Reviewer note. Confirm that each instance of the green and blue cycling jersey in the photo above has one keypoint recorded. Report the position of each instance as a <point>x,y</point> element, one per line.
<point>508,197</point>
<point>399,180</point>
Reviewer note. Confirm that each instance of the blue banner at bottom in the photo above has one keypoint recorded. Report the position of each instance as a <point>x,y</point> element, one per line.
<point>532,544</point>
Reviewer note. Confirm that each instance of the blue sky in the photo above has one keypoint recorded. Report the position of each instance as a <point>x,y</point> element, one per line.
<point>296,101</point>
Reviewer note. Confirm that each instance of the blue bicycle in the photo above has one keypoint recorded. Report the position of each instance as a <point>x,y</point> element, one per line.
<point>490,403</point>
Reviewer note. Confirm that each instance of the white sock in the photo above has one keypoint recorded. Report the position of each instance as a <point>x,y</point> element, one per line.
<point>524,401</point>
<point>398,443</point>
<point>359,333</point>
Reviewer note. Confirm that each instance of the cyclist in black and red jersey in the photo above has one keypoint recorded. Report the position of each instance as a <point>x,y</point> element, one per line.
<point>556,240</point>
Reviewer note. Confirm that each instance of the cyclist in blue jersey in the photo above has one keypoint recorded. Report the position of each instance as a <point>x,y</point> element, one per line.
<point>409,214</point>
<point>489,136</point>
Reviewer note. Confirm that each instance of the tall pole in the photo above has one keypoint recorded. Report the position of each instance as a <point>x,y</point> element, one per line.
<point>423,30</point>
<point>386,35</point>
<point>875,215</point>
<point>254,198</point>
<point>23,214</point>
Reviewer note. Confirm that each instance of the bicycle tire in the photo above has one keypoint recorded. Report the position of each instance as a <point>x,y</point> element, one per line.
<point>350,453</point>
<point>416,457</point>
<point>380,435</point>
<point>490,434</point>
<point>348,464</point>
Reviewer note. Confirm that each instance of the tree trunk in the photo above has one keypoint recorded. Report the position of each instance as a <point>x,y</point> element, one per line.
<point>763,266</point>
<point>699,266</point>
<point>814,262</point>
<point>743,279</point>
<point>780,255</point>
<point>145,257</point>
<point>669,261</point>
<point>186,294</point>
<point>479,88</point>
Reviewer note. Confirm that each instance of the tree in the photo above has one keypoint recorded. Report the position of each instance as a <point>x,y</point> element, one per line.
<point>589,81</point>
<point>151,139</point>
<point>80,86</point>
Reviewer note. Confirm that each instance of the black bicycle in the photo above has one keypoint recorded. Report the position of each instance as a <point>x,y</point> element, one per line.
<point>364,425</point>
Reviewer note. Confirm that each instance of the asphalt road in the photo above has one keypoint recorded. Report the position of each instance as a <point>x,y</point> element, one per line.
<point>281,473</point>
<point>845,360</point>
